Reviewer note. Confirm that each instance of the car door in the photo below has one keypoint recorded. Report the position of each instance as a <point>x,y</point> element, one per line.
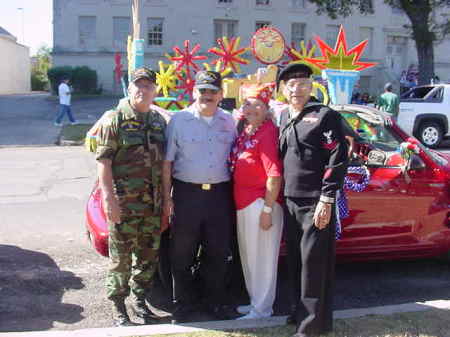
<point>381,220</point>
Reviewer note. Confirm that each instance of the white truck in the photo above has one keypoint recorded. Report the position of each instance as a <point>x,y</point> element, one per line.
<point>425,113</point>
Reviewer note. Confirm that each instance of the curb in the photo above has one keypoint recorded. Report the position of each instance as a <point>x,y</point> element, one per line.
<point>157,329</point>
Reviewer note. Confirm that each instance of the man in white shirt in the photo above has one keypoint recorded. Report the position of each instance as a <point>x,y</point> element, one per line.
<point>64,94</point>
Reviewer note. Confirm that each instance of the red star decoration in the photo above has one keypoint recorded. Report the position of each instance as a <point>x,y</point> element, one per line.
<point>186,58</point>
<point>229,54</point>
<point>186,84</point>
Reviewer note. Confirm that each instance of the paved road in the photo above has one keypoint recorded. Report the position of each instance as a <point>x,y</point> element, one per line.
<point>28,119</point>
<point>50,278</point>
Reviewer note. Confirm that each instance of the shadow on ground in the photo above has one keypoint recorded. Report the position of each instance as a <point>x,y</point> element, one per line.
<point>31,291</point>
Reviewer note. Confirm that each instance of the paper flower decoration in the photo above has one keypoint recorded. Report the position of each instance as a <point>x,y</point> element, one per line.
<point>185,84</point>
<point>340,58</point>
<point>300,55</point>
<point>165,79</point>
<point>229,54</point>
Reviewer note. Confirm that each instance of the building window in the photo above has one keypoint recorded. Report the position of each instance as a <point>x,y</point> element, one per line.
<point>334,4</point>
<point>262,24</point>
<point>226,28</point>
<point>155,31</point>
<point>262,2</point>
<point>121,30</point>
<point>297,33</point>
<point>298,4</point>
<point>365,5</point>
<point>366,33</point>
<point>225,1</point>
<point>87,31</point>
<point>331,36</point>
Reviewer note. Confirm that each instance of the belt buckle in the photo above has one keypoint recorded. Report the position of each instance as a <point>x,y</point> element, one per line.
<point>206,187</point>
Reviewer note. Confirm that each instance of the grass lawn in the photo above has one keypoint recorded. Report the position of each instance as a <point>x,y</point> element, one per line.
<point>75,132</point>
<point>432,323</point>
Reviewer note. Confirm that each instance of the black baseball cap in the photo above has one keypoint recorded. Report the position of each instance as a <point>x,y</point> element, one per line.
<point>207,79</point>
<point>143,72</point>
<point>294,70</point>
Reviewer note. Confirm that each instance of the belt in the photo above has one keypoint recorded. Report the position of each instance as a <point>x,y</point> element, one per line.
<point>204,187</point>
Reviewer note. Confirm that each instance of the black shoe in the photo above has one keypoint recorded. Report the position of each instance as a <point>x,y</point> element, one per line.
<point>182,314</point>
<point>141,310</point>
<point>223,312</point>
<point>291,319</point>
<point>120,316</point>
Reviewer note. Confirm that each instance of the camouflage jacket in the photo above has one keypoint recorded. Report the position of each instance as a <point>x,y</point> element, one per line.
<point>135,144</point>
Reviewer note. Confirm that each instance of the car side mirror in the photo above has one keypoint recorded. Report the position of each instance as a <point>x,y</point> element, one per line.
<point>416,163</point>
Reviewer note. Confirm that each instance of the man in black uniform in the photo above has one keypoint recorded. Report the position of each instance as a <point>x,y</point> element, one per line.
<point>314,153</point>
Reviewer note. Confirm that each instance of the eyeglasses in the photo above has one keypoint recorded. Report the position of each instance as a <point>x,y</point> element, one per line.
<point>208,91</point>
<point>293,84</point>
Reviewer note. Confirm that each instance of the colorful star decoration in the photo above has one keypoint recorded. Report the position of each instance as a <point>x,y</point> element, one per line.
<point>299,55</point>
<point>339,58</point>
<point>166,79</point>
<point>218,68</point>
<point>187,57</point>
<point>185,84</point>
<point>229,53</point>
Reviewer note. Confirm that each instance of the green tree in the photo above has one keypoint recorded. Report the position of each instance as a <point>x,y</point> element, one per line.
<point>39,69</point>
<point>427,24</point>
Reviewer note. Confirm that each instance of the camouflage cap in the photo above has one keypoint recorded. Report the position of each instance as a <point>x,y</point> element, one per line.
<point>143,72</point>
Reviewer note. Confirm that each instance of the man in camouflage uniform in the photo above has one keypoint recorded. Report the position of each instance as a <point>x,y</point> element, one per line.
<point>129,156</point>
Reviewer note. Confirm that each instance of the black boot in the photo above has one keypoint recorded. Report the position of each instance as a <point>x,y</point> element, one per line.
<point>120,316</point>
<point>142,310</point>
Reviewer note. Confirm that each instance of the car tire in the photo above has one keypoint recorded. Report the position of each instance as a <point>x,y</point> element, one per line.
<point>430,134</point>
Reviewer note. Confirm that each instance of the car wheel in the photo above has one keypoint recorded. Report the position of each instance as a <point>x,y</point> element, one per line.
<point>430,134</point>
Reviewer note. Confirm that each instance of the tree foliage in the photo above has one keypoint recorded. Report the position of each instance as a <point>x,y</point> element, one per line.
<point>429,23</point>
<point>39,79</point>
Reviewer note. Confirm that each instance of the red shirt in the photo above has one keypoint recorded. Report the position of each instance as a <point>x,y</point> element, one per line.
<point>258,161</point>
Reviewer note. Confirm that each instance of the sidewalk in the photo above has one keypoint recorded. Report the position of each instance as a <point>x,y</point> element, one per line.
<point>158,329</point>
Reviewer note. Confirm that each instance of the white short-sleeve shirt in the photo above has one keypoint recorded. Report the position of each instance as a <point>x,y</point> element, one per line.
<point>64,94</point>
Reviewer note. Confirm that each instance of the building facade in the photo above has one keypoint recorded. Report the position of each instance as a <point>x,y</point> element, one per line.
<point>15,65</point>
<point>89,32</point>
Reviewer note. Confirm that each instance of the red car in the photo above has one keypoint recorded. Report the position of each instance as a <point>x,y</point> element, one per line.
<point>403,212</point>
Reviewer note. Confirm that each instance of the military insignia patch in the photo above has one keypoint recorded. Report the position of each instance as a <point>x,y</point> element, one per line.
<point>131,125</point>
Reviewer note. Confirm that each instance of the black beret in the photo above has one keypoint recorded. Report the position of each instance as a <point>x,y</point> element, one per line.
<point>299,70</point>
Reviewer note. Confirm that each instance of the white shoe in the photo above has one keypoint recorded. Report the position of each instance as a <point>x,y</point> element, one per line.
<point>251,315</point>
<point>57,124</point>
<point>244,309</point>
<point>74,123</point>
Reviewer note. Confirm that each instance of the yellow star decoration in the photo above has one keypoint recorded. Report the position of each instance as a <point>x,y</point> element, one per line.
<point>166,78</point>
<point>300,55</point>
<point>218,68</point>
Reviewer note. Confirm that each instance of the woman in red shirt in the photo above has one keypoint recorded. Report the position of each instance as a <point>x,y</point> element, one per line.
<point>257,181</point>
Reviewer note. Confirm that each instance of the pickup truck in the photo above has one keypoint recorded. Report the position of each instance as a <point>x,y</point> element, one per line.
<point>425,112</point>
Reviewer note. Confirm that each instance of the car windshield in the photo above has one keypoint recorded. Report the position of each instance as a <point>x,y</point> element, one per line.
<point>374,133</point>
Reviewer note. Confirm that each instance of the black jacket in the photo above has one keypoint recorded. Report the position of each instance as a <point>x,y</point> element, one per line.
<point>314,152</point>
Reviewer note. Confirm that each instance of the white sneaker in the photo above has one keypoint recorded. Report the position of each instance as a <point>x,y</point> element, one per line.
<point>251,315</point>
<point>244,309</point>
<point>74,123</point>
<point>57,124</point>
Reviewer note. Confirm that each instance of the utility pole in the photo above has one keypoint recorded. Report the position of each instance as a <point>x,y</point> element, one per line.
<point>22,10</point>
<point>135,43</point>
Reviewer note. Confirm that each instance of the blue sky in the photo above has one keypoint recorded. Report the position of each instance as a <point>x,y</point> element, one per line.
<point>37,21</point>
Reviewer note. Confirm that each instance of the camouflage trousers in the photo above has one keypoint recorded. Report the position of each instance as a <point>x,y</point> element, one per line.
<point>133,254</point>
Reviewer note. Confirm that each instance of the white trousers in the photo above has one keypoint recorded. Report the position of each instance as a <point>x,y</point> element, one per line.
<point>259,251</point>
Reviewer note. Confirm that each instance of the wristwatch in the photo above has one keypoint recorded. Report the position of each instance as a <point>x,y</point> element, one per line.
<point>267,209</point>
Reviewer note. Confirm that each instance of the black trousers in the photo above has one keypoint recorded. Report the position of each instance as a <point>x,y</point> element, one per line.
<point>200,217</point>
<point>311,265</point>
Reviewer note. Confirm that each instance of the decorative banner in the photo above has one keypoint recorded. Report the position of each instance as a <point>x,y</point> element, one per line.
<point>339,58</point>
<point>229,53</point>
<point>340,84</point>
<point>268,45</point>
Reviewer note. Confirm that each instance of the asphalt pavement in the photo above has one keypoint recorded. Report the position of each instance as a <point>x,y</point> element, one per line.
<point>52,279</point>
